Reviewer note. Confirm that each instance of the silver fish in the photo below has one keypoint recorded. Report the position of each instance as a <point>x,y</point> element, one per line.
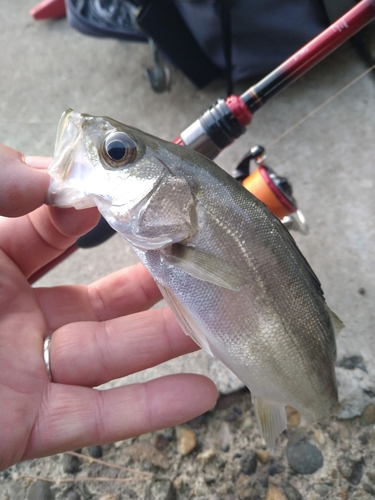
<point>225,264</point>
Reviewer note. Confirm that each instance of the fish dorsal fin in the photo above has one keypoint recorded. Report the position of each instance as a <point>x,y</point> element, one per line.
<point>206,267</point>
<point>271,419</point>
<point>187,323</point>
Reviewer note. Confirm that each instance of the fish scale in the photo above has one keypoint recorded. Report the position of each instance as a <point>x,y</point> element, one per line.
<point>227,267</point>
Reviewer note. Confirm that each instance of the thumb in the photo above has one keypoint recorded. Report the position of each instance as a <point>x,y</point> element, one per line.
<point>22,187</point>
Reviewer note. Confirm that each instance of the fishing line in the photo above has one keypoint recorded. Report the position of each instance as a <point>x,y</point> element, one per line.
<point>321,106</point>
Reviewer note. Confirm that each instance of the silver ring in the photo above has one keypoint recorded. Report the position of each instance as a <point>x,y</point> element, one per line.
<point>46,356</point>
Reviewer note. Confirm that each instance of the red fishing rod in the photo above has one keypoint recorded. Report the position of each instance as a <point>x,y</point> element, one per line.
<point>227,120</point>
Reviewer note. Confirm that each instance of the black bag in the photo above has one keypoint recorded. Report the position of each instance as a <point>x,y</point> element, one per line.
<point>208,39</point>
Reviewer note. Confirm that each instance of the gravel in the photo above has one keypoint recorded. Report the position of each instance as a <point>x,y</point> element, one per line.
<point>210,458</point>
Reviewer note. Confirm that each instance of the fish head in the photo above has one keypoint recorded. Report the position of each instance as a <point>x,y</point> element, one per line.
<point>121,170</point>
<point>96,157</point>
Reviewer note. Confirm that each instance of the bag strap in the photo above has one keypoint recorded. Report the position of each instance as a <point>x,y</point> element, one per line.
<point>226,30</point>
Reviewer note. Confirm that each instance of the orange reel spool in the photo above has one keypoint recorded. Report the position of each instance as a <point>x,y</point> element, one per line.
<point>273,190</point>
<point>261,184</point>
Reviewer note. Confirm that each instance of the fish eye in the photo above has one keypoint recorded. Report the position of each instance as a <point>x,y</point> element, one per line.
<point>118,149</point>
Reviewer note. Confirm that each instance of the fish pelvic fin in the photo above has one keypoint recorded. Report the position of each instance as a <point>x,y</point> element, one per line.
<point>337,324</point>
<point>271,417</point>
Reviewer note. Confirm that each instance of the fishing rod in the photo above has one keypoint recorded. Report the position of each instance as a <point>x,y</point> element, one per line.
<point>227,120</point>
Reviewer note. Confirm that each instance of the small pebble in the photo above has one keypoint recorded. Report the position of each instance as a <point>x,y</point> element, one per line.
<point>369,489</point>
<point>304,458</point>
<point>320,437</point>
<point>273,493</point>
<point>209,480</point>
<point>263,456</point>
<point>275,468</point>
<point>109,496</point>
<point>291,492</point>
<point>186,440</point>
<point>247,423</point>
<point>371,476</point>
<point>178,483</point>
<point>95,451</point>
<point>362,290</point>
<point>294,418</point>
<point>368,415</point>
<point>249,462</point>
<point>364,438</point>
<point>161,442</point>
<point>70,463</point>
<point>322,489</point>
<point>206,456</point>
<point>224,436</point>
<point>351,470</point>
<point>40,490</point>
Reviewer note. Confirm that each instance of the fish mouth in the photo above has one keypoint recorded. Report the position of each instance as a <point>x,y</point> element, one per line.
<point>70,167</point>
<point>69,132</point>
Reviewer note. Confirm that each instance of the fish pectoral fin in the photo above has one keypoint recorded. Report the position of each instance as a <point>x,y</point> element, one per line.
<point>187,322</point>
<point>271,417</point>
<point>206,267</point>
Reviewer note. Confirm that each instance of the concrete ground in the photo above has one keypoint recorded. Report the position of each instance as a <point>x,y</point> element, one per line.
<point>47,67</point>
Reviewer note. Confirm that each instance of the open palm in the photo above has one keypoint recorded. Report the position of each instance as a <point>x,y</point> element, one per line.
<point>100,332</point>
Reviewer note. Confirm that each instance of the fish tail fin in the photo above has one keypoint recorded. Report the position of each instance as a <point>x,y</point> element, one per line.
<point>271,419</point>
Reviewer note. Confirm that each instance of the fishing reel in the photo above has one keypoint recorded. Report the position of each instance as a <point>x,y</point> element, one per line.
<point>273,190</point>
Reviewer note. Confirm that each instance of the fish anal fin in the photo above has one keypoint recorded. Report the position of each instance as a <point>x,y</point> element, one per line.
<point>206,267</point>
<point>271,417</point>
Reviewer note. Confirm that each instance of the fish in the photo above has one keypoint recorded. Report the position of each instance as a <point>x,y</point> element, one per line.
<point>226,266</point>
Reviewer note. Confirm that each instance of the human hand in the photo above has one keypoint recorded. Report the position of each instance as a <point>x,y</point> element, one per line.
<point>99,332</point>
